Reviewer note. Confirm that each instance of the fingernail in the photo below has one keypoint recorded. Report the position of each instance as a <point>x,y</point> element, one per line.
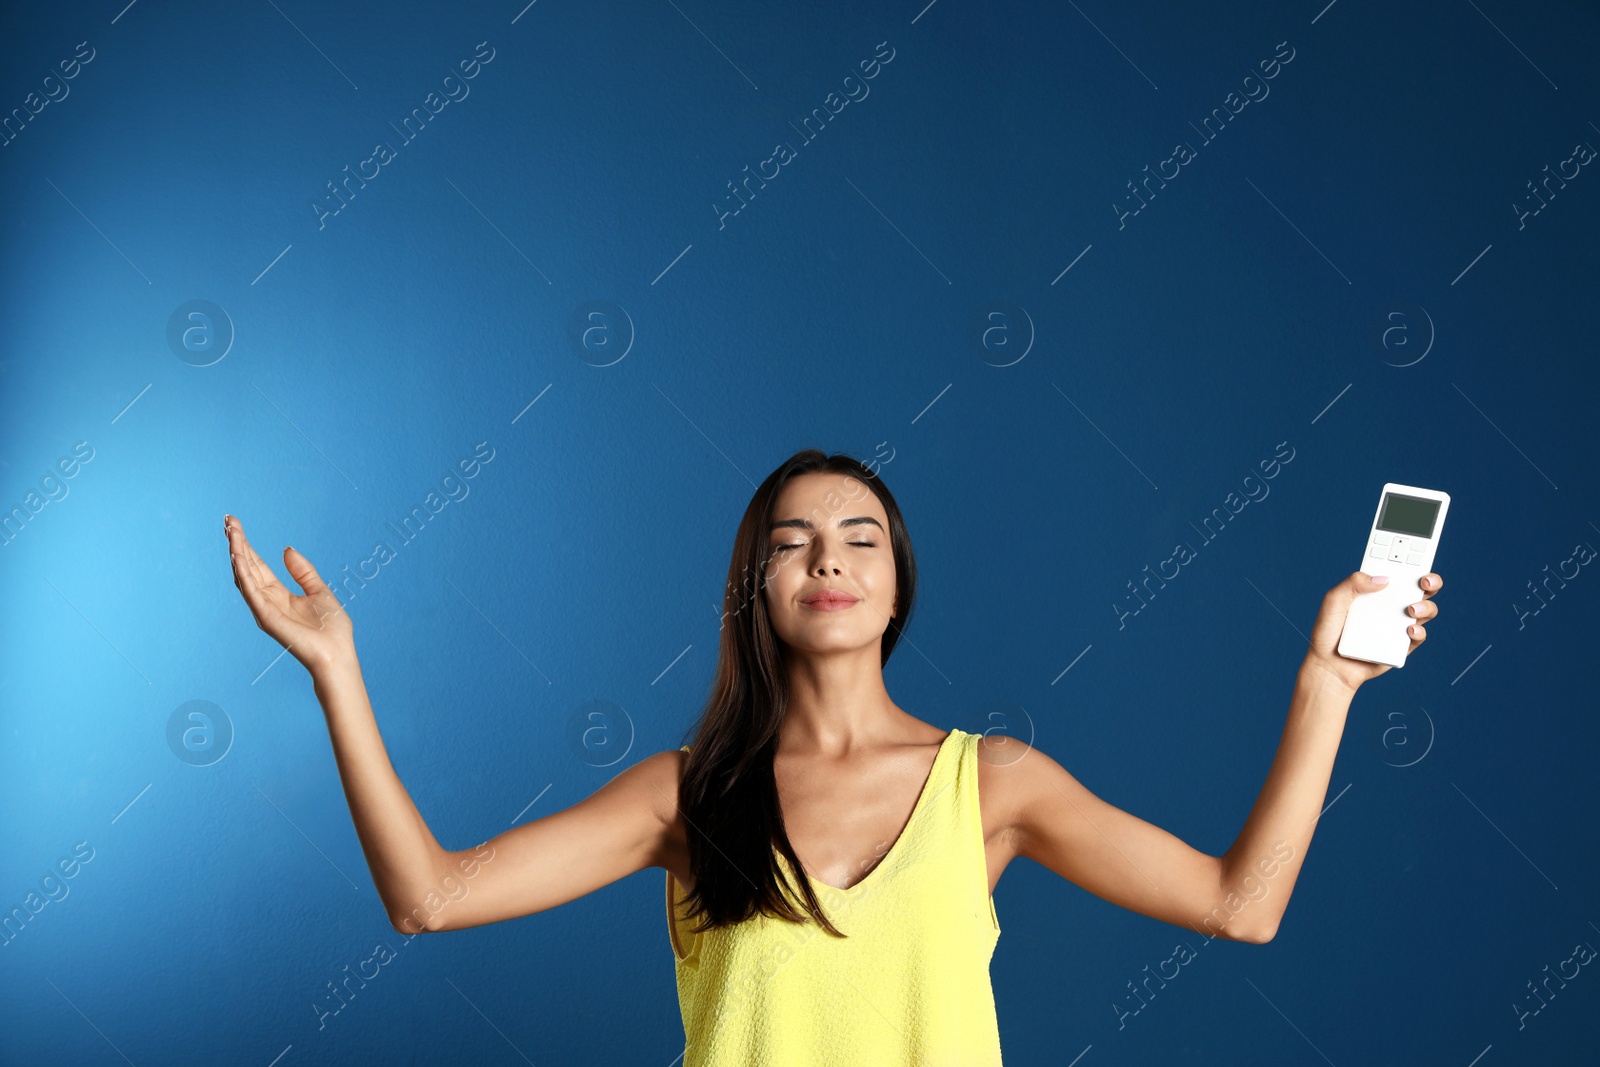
<point>1379,579</point>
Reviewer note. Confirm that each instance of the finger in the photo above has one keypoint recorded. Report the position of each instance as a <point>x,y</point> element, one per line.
<point>249,583</point>
<point>247,576</point>
<point>304,574</point>
<point>1418,634</point>
<point>1431,584</point>
<point>239,551</point>
<point>1367,583</point>
<point>245,582</point>
<point>258,583</point>
<point>237,558</point>
<point>1424,610</point>
<point>242,554</point>
<point>255,566</point>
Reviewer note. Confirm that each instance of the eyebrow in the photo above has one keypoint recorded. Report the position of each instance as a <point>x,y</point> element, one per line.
<point>805,524</point>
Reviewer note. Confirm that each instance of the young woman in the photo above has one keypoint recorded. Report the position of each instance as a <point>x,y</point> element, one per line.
<point>829,867</point>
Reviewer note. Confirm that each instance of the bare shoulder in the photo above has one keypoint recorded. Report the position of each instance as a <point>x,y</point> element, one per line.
<point>655,779</point>
<point>652,785</point>
<point>1013,776</point>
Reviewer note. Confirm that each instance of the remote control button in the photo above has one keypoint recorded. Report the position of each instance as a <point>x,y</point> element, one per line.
<point>1398,554</point>
<point>1380,538</point>
<point>1378,552</point>
<point>1415,559</point>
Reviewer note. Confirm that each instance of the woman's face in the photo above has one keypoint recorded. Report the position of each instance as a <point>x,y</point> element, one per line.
<point>830,533</point>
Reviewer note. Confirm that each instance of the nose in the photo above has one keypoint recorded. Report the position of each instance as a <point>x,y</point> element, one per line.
<point>827,560</point>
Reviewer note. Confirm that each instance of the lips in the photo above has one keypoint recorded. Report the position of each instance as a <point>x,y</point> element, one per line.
<point>829,596</point>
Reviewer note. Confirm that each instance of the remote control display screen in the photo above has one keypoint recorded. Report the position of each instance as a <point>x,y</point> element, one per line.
<point>1408,515</point>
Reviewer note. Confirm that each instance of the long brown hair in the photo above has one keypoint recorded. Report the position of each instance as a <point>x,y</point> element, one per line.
<point>728,792</point>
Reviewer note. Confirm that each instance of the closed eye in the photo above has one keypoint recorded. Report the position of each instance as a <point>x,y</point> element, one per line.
<point>801,544</point>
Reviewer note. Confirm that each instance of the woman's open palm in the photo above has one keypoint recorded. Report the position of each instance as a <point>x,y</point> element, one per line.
<point>315,627</point>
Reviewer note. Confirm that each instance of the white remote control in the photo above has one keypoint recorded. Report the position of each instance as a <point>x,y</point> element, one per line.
<point>1405,533</point>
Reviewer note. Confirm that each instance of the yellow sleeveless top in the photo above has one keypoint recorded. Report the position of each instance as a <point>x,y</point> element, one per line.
<point>908,985</point>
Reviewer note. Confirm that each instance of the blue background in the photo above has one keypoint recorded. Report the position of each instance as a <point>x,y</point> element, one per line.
<point>899,291</point>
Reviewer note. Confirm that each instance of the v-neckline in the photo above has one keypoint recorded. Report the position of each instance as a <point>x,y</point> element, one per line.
<point>916,809</point>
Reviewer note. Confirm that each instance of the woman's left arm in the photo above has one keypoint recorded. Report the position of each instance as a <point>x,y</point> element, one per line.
<point>1269,850</point>
<point>1241,895</point>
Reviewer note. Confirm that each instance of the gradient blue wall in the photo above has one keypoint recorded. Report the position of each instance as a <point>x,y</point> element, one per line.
<point>949,279</point>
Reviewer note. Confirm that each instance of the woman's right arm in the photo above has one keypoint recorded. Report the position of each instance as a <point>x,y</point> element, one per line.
<point>622,827</point>
<point>628,824</point>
